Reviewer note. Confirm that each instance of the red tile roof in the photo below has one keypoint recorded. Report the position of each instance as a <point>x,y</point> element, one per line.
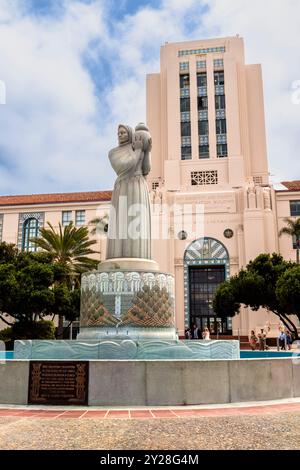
<point>292,185</point>
<point>59,198</point>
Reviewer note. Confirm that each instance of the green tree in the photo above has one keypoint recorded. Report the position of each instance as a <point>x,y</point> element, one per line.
<point>255,287</point>
<point>70,247</point>
<point>288,291</point>
<point>293,230</point>
<point>70,250</point>
<point>31,288</point>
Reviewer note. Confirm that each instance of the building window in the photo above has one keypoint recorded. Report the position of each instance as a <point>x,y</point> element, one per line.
<point>30,230</point>
<point>183,66</point>
<point>206,50</point>
<point>295,208</point>
<point>202,103</point>
<point>155,185</point>
<point>219,78</point>
<point>203,127</point>
<point>220,101</point>
<point>202,178</point>
<point>186,152</point>
<point>221,126</point>
<point>201,64</point>
<point>185,105</point>
<point>185,129</point>
<point>184,81</point>
<point>203,151</point>
<point>80,217</point>
<point>222,150</point>
<point>185,108</point>
<point>218,63</point>
<point>201,79</point>
<point>1,227</point>
<point>66,217</point>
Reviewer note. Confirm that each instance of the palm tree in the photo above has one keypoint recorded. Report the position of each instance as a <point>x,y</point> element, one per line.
<point>70,248</point>
<point>100,225</point>
<point>293,230</point>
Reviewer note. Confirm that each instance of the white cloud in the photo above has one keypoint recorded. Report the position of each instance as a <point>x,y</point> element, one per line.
<point>59,121</point>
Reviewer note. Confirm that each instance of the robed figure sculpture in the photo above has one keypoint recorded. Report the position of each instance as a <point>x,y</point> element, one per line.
<point>129,234</point>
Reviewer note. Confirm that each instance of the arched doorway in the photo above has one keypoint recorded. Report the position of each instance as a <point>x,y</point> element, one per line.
<point>206,266</point>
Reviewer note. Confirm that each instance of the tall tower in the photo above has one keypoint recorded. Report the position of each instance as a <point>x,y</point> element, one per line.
<point>205,111</point>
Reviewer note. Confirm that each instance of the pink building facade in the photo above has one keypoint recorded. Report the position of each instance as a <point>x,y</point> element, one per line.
<point>205,111</point>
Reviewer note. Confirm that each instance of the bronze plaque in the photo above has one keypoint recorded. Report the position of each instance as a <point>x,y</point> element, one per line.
<point>58,383</point>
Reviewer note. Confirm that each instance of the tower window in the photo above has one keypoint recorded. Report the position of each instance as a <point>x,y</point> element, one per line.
<point>185,105</point>
<point>219,78</point>
<point>222,150</point>
<point>203,127</point>
<point>202,102</point>
<point>203,151</point>
<point>220,101</point>
<point>201,79</point>
<point>221,126</point>
<point>184,81</point>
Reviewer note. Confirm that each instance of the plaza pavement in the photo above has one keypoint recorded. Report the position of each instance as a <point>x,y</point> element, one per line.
<point>263,425</point>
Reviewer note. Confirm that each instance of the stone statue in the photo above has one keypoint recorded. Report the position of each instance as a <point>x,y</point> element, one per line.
<point>129,234</point>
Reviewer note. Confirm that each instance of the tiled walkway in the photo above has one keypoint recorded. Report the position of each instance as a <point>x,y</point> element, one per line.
<point>148,413</point>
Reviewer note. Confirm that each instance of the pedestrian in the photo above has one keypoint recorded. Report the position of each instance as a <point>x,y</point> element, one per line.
<point>289,339</point>
<point>262,340</point>
<point>196,332</point>
<point>188,333</point>
<point>253,340</point>
<point>206,334</point>
<point>282,341</point>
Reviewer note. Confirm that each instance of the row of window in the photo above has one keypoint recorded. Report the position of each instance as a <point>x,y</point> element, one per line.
<point>184,79</point>
<point>30,224</point>
<point>201,64</point>
<point>203,126</point>
<point>206,50</point>
<point>79,217</point>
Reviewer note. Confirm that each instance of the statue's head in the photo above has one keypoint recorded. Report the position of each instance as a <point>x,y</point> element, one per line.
<point>124,134</point>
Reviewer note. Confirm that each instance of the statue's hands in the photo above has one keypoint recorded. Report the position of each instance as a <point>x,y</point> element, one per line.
<point>138,143</point>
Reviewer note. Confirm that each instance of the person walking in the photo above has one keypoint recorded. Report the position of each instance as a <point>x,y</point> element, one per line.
<point>253,340</point>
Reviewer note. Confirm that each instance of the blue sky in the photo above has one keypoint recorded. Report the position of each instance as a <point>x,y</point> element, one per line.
<point>74,69</point>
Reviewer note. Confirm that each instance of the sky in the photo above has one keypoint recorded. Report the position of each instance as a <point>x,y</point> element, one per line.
<point>74,69</point>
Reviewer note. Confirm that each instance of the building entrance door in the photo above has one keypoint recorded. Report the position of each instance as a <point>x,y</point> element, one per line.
<point>203,283</point>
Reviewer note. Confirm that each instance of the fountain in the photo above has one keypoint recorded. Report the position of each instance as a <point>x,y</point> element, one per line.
<point>128,305</point>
